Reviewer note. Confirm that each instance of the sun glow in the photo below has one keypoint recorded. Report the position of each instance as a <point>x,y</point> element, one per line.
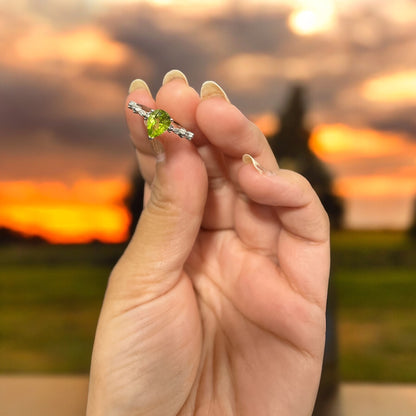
<point>312,18</point>
<point>88,210</point>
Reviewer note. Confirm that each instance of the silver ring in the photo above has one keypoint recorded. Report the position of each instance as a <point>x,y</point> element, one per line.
<point>158,121</point>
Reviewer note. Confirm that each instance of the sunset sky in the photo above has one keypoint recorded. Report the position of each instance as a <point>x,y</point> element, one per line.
<point>65,67</point>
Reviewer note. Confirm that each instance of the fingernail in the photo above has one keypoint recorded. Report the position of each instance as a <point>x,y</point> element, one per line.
<point>211,89</point>
<point>174,74</point>
<point>249,160</point>
<point>139,84</point>
<point>158,150</point>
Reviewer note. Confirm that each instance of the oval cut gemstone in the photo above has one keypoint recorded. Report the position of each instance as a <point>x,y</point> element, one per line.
<point>157,123</point>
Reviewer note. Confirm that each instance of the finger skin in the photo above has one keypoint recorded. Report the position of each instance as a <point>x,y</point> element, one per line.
<point>303,243</point>
<point>148,343</point>
<point>231,132</point>
<point>180,102</point>
<point>168,225</point>
<point>297,204</point>
<point>180,291</point>
<point>171,219</point>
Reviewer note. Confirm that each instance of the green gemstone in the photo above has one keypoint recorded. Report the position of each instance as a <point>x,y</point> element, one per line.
<point>157,123</point>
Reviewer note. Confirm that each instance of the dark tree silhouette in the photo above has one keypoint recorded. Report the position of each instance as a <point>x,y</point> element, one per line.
<point>412,229</point>
<point>9,236</point>
<point>134,200</point>
<point>290,146</point>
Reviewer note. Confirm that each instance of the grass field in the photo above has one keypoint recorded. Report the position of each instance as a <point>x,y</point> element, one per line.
<point>375,281</point>
<point>50,298</point>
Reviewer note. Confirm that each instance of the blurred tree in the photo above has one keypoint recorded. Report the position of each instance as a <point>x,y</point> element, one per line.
<point>290,145</point>
<point>412,229</point>
<point>9,236</point>
<point>134,200</point>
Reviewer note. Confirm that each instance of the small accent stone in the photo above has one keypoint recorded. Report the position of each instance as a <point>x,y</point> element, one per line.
<point>157,123</point>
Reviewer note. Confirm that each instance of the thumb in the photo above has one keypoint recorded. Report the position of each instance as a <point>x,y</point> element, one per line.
<point>153,261</point>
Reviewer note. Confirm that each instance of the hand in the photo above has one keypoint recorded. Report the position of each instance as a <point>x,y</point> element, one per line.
<point>217,306</point>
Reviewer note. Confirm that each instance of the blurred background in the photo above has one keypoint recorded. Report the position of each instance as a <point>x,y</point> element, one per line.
<point>332,84</point>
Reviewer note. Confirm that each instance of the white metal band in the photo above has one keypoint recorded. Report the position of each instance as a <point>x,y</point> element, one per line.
<point>174,127</point>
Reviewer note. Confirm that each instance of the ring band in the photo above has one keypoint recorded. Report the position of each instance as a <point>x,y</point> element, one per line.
<point>159,121</point>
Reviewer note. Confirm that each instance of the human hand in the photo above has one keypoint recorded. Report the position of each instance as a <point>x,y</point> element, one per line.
<point>217,306</point>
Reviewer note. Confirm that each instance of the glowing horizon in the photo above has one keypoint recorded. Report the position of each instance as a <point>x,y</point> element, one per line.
<point>86,211</point>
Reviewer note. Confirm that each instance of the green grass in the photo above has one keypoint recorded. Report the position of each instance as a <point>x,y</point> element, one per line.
<point>50,297</point>
<point>376,324</point>
<point>374,276</point>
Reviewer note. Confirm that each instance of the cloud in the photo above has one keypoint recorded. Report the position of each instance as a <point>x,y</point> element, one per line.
<point>374,186</point>
<point>63,93</point>
<point>337,142</point>
<point>64,77</point>
<point>351,151</point>
<point>397,88</point>
<point>65,68</point>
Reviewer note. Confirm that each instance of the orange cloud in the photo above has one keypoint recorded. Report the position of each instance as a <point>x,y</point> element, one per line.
<point>397,87</point>
<point>374,186</point>
<point>338,141</point>
<point>372,168</point>
<point>88,210</point>
<point>40,48</point>
<point>246,71</point>
<point>84,45</point>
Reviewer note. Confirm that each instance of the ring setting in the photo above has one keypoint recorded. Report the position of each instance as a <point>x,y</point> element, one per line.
<point>159,121</point>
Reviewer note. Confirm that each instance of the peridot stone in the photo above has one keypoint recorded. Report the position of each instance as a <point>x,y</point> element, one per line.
<point>157,123</point>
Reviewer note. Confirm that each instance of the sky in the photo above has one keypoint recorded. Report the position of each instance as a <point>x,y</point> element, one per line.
<point>65,68</point>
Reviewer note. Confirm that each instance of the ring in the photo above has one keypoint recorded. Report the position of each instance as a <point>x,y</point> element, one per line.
<point>159,121</point>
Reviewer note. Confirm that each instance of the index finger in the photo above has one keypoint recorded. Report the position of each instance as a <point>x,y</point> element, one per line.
<point>232,133</point>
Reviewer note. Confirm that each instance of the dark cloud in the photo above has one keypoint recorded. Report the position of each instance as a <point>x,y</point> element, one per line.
<point>37,103</point>
<point>364,44</point>
<point>167,46</point>
<point>401,121</point>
